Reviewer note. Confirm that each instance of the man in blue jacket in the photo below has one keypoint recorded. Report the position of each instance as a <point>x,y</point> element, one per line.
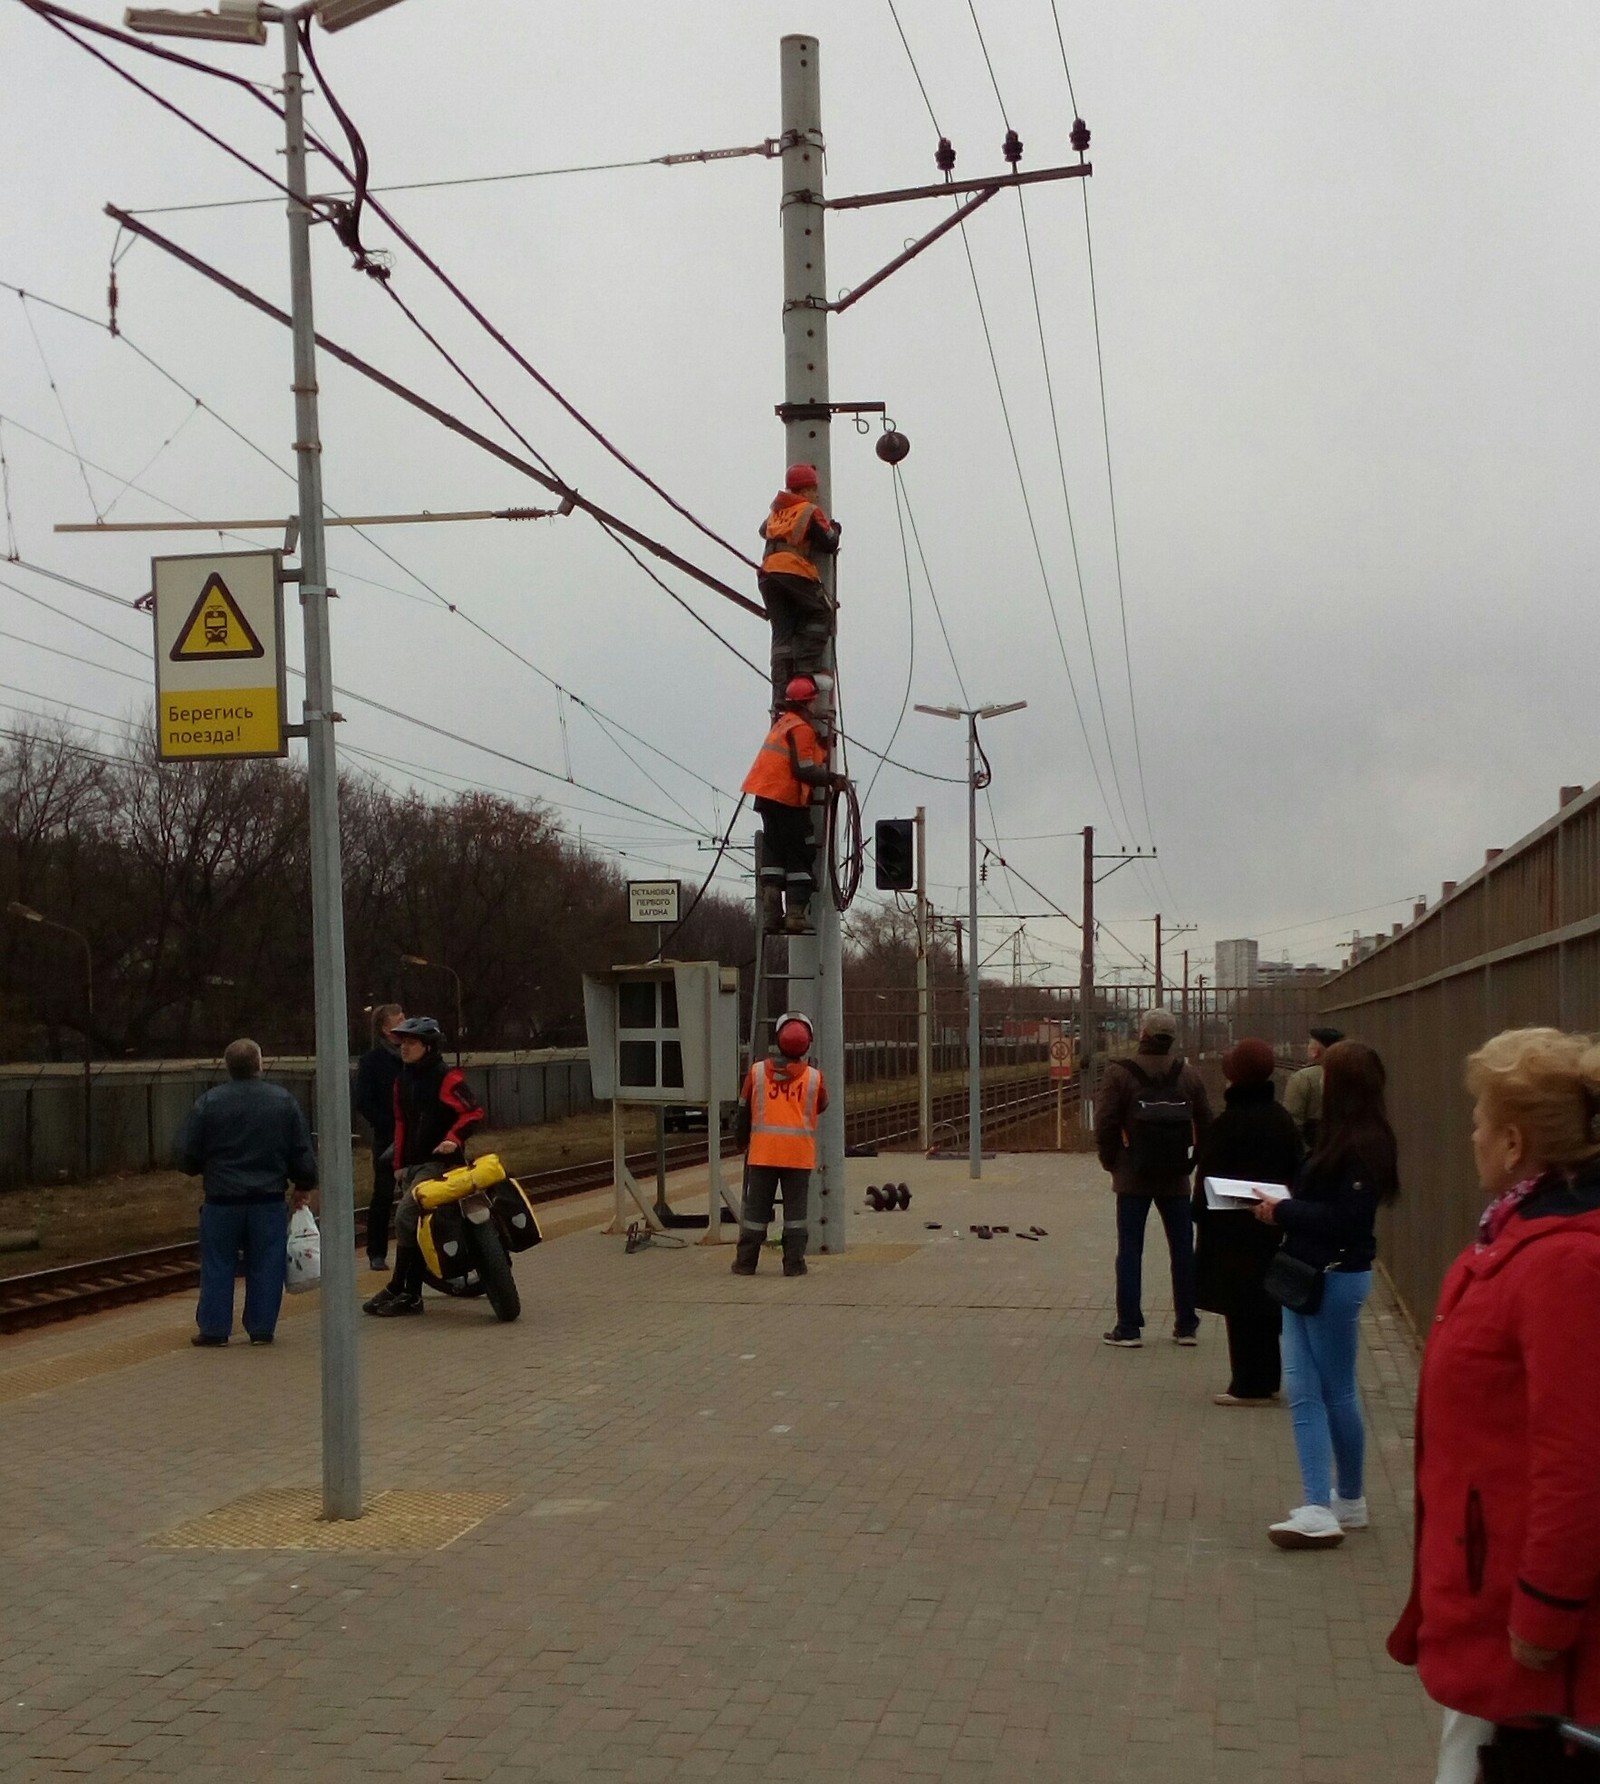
<point>249,1141</point>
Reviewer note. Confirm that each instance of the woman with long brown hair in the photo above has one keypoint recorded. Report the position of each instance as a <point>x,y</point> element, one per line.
<point>1330,1241</point>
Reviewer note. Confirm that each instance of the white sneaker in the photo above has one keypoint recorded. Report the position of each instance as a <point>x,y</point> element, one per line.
<point>1351,1513</point>
<point>1311,1527</point>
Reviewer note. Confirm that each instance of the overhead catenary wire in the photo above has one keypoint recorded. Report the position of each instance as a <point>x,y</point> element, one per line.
<point>66,419</point>
<point>452,607</point>
<point>60,19</point>
<point>56,15</point>
<point>13,550</point>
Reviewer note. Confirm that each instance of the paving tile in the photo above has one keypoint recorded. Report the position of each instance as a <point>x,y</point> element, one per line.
<point>905,1519</point>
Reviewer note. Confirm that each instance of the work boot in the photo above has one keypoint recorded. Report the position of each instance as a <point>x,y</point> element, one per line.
<point>748,1254</point>
<point>794,1254</point>
<point>796,920</point>
<point>772,909</point>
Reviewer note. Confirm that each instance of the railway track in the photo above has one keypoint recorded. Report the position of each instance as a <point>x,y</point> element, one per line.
<point>70,1291</point>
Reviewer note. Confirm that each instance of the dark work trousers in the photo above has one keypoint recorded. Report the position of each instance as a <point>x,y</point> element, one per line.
<point>1255,1352</point>
<point>257,1232</point>
<point>380,1210</point>
<point>801,617</point>
<point>1177,1216</point>
<point>761,1187</point>
<point>788,852</point>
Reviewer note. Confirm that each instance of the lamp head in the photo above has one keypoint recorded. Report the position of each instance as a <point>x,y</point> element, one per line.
<point>335,15</point>
<point>235,21</point>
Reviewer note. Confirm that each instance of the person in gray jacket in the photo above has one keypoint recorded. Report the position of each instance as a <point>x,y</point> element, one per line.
<point>250,1143</point>
<point>1302,1095</point>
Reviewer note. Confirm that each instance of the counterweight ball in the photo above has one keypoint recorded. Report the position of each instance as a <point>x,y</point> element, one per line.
<point>892,446</point>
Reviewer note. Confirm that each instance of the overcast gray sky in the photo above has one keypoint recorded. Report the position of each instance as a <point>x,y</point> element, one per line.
<point>1347,274</point>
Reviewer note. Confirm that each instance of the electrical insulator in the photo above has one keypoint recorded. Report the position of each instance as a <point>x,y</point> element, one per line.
<point>945,157</point>
<point>1011,148</point>
<point>1080,136</point>
<point>892,446</point>
<point>983,874</point>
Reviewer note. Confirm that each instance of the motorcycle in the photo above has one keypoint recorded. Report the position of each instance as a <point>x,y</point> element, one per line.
<point>473,1219</point>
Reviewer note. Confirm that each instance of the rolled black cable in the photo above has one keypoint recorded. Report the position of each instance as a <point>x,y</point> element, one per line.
<point>845,882</point>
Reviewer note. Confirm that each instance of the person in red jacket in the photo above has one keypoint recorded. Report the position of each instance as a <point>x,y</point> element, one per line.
<point>1503,1622</point>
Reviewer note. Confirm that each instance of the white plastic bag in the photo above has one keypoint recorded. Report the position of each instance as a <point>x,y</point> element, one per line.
<point>305,1252</point>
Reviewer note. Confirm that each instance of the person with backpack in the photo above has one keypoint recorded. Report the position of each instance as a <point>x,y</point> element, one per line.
<point>1151,1113</point>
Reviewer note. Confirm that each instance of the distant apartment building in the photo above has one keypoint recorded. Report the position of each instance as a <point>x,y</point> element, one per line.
<point>1237,964</point>
<point>1280,972</point>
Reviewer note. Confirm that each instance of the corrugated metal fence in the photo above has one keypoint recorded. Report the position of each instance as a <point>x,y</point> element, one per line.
<point>1517,944</point>
<point>138,1109</point>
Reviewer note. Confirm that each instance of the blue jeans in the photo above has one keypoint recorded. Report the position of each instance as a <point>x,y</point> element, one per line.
<point>1319,1368</point>
<point>260,1231</point>
<point>1177,1217</point>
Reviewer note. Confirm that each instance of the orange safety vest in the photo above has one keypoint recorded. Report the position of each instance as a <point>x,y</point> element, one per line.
<point>772,775</point>
<point>787,531</point>
<point>783,1116</point>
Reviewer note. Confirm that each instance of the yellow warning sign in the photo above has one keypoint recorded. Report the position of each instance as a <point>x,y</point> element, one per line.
<point>221,722</point>
<point>216,629</point>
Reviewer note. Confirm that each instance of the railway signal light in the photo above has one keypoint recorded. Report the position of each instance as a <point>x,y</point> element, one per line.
<point>894,850</point>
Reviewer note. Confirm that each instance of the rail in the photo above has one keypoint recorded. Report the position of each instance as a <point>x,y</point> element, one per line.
<point>68,1291</point>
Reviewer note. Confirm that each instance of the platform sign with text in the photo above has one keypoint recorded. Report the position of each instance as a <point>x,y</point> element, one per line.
<point>1060,1058</point>
<point>219,655</point>
<point>653,901</point>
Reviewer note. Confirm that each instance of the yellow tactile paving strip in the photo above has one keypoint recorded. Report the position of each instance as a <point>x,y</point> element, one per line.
<point>288,1518</point>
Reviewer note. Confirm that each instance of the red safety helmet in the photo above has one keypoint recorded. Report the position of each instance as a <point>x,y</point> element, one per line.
<point>794,1035</point>
<point>800,477</point>
<point>799,690</point>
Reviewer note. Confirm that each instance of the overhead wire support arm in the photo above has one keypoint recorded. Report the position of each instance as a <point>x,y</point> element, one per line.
<point>953,221</point>
<point>991,184</point>
<point>434,412</point>
<point>422,518</point>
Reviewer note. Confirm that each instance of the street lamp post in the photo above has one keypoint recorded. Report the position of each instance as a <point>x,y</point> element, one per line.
<point>974,1015</point>
<point>245,21</point>
<point>29,915</point>
<point>439,966</point>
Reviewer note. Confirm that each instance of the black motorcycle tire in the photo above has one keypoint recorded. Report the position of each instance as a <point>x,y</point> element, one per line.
<point>494,1271</point>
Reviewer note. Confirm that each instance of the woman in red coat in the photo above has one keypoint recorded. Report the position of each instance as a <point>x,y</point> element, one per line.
<point>1504,1618</point>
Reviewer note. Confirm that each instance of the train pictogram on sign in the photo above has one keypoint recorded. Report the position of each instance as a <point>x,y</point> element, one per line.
<point>216,629</point>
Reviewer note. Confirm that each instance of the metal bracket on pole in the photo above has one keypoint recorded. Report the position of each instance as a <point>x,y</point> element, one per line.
<point>825,411</point>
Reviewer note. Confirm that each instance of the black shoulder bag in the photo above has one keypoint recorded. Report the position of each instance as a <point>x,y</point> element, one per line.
<point>1293,1283</point>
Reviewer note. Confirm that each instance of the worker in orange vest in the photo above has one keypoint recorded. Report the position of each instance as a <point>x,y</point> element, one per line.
<point>791,763</point>
<point>779,1106</point>
<point>796,533</point>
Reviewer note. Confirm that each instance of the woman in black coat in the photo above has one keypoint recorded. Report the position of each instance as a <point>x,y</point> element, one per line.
<point>1255,1140</point>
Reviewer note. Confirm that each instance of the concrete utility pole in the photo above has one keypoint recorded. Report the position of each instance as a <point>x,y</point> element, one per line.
<point>1088,1039</point>
<point>974,963</point>
<point>974,970</point>
<point>924,1013</point>
<point>815,961</point>
<point>1158,957</point>
<point>341,1389</point>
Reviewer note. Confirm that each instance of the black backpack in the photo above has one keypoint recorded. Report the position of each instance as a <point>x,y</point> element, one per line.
<point>1160,1124</point>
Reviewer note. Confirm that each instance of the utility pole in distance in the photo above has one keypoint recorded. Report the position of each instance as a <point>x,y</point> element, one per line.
<point>1088,1038</point>
<point>924,1014</point>
<point>815,960</point>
